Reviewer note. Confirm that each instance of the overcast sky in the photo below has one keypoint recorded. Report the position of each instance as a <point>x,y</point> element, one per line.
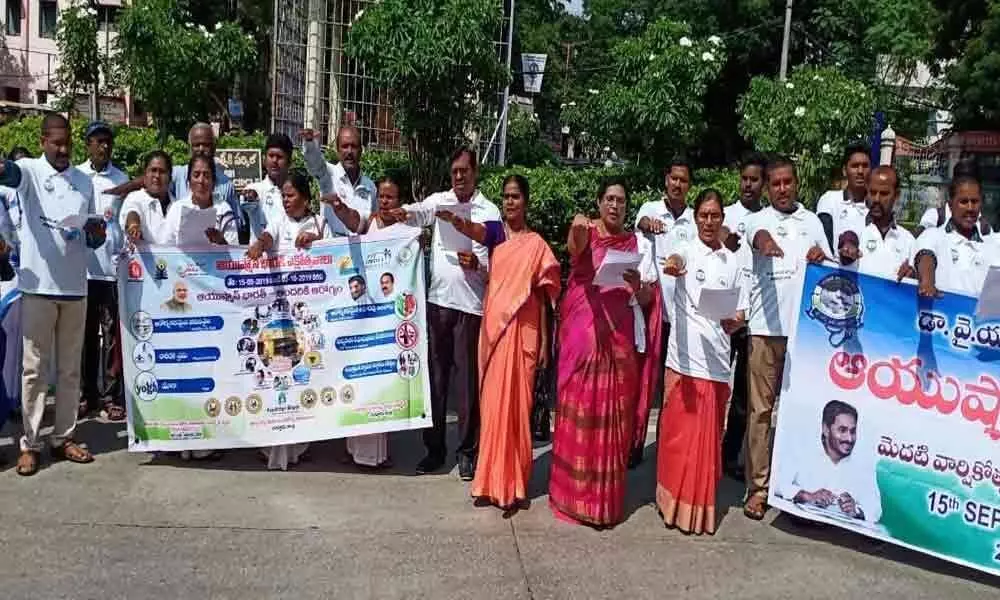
<point>574,7</point>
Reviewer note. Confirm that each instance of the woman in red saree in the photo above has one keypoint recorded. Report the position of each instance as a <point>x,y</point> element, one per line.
<point>696,384</point>
<point>601,375</point>
<point>513,341</point>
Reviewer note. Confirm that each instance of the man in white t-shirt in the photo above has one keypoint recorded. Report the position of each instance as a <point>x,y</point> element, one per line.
<point>882,248</point>
<point>343,185</point>
<point>56,239</point>
<point>737,222</point>
<point>102,360</point>
<point>785,237</point>
<point>845,210</point>
<point>455,308</point>
<point>667,224</point>
<point>957,257</point>
<point>829,476</point>
<point>940,216</point>
<point>262,200</point>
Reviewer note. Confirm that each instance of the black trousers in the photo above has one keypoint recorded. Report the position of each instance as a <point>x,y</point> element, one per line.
<point>736,422</point>
<point>454,345</point>
<point>101,372</point>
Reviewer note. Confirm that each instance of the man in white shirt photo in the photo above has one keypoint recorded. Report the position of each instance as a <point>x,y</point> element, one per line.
<point>667,224</point>
<point>785,237</point>
<point>344,188</point>
<point>102,361</point>
<point>830,476</point>
<point>262,200</point>
<point>455,308</point>
<point>845,210</point>
<point>55,198</point>
<point>882,248</point>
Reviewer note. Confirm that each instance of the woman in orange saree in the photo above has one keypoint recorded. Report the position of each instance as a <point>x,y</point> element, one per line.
<point>602,341</point>
<point>513,341</point>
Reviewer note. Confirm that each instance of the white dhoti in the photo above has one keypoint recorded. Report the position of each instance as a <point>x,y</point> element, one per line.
<point>369,450</point>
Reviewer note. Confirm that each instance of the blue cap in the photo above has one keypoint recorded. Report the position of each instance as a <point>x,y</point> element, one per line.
<point>96,126</point>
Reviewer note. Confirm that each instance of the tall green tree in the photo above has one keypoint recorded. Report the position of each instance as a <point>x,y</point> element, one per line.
<point>179,70</point>
<point>969,38</point>
<point>80,59</point>
<point>437,58</point>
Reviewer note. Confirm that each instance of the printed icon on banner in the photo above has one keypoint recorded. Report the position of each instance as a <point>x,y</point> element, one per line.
<point>406,306</point>
<point>314,359</point>
<point>837,303</point>
<point>233,406</point>
<point>347,394</point>
<point>409,364</point>
<point>144,356</point>
<point>254,404</point>
<point>407,335</point>
<point>213,407</point>
<point>146,387</point>
<point>328,396</point>
<point>308,398</point>
<point>134,270</point>
<point>246,346</point>
<point>405,255</point>
<point>301,373</point>
<point>161,270</point>
<point>142,325</point>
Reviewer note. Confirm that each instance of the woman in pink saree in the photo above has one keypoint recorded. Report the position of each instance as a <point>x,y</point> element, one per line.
<point>513,341</point>
<point>603,369</point>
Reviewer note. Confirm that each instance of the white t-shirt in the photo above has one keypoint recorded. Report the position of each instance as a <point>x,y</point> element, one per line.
<point>451,285</point>
<point>360,196</point>
<point>224,222</point>
<point>698,346</point>
<point>776,287</point>
<point>679,230</point>
<point>847,215</point>
<point>929,220</point>
<point>151,216</point>
<point>269,206</point>
<point>101,265</point>
<point>884,256</point>
<point>738,219</point>
<point>816,471</point>
<point>285,230</point>
<point>962,264</point>
<point>53,257</point>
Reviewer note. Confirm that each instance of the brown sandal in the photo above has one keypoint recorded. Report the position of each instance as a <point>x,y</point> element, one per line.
<point>755,507</point>
<point>73,452</point>
<point>27,463</point>
<point>113,413</point>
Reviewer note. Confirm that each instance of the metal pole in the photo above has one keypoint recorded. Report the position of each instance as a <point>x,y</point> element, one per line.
<point>785,42</point>
<point>502,151</point>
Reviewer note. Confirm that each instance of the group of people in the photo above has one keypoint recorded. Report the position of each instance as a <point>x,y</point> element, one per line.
<point>616,345</point>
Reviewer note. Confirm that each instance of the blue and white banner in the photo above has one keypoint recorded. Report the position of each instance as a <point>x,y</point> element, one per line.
<point>222,352</point>
<point>889,426</point>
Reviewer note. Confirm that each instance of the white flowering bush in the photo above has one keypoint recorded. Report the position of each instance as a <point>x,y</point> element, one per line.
<point>810,117</point>
<point>654,97</point>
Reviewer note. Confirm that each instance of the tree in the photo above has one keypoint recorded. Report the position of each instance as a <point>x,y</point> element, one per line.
<point>811,117</point>
<point>180,71</point>
<point>79,57</point>
<point>437,58</point>
<point>969,36</point>
<point>652,105</point>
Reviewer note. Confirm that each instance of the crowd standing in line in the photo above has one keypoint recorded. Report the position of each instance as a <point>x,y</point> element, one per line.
<point>617,347</point>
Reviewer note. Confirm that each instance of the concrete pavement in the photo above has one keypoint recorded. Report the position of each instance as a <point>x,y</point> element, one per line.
<point>134,526</point>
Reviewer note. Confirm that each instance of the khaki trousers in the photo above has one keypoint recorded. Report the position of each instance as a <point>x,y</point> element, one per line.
<point>767,362</point>
<point>50,327</point>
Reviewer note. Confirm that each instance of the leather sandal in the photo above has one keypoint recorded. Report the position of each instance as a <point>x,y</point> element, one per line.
<point>73,452</point>
<point>755,507</point>
<point>27,463</point>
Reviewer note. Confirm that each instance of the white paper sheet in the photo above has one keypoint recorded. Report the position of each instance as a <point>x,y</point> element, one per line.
<point>194,222</point>
<point>989,299</point>
<point>78,221</point>
<point>612,270</point>
<point>451,239</point>
<point>719,304</point>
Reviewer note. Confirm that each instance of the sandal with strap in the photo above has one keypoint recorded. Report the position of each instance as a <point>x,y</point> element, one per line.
<point>27,463</point>
<point>755,507</point>
<point>113,413</point>
<point>73,452</point>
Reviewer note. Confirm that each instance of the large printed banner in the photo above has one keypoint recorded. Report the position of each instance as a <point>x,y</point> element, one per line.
<point>889,424</point>
<point>224,352</point>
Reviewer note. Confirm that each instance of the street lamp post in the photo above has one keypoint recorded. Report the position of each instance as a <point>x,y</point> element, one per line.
<point>786,40</point>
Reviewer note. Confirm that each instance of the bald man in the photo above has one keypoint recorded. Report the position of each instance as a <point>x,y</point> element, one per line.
<point>349,196</point>
<point>201,139</point>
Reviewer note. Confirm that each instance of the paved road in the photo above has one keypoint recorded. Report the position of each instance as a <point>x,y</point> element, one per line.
<point>134,526</point>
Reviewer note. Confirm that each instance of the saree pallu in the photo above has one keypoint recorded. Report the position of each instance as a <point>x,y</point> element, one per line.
<point>598,392</point>
<point>523,275</point>
<point>689,452</point>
